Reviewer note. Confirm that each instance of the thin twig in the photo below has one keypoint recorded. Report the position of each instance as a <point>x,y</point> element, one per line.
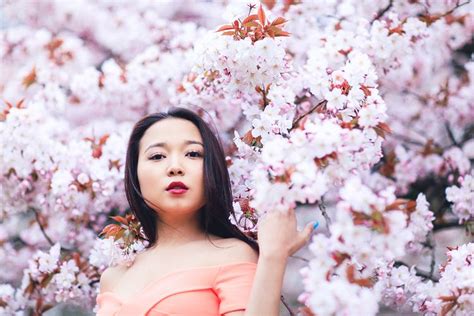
<point>433,256</point>
<point>322,207</point>
<point>430,243</point>
<point>287,306</point>
<point>300,258</point>
<point>446,225</point>
<point>37,216</point>
<point>382,11</point>
<point>407,139</point>
<point>251,7</point>
<point>423,274</point>
<point>452,10</point>
<point>295,123</point>
<point>451,135</point>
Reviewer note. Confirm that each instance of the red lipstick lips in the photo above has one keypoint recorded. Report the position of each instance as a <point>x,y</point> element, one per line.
<point>177,187</point>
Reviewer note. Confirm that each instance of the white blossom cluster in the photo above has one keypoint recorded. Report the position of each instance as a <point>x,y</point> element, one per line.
<point>367,222</point>
<point>463,198</point>
<point>452,295</point>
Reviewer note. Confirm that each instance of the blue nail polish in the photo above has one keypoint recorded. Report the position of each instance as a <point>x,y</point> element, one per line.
<point>315,225</point>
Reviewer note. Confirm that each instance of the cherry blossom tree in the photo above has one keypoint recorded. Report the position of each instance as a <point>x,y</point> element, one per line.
<point>363,111</point>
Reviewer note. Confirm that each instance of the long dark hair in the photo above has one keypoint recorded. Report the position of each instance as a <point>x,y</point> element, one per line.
<point>214,215</point>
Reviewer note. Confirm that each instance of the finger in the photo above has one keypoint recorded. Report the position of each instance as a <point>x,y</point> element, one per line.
<point>291,215</point>
<point>306,233</point>
<point>304,236</point>
<point>309,229</point>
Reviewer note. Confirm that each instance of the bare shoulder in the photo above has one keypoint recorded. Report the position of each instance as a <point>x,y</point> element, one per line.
<point>110,276</point>
<point>234,250</point>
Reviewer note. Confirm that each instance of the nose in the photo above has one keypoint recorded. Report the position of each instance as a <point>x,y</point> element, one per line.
<point>172,171</point>
<point>175,168</point>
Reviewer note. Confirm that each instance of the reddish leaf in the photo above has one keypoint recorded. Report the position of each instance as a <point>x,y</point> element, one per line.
<point>114,230</point>
<point>103,139</point>
<point>30,78</point>
<point>429,19</point>
<point>250,18</point>
<point>54,44</point>
<point>228,161</point>
<point>282,33</point>
<point>229,33</point>
<point>120,219</point>
<point>339,257</point>
<point>396,205</point>
<point>247,138</point>
<point>123,77</point>
<point>271,33</point>
<point>250,24</point>
<point>446,308</point>
<point>364,282</point>
<point>30,288</point>
<point>267,89</point>
<point>46,280</point>
<point>97,152</point>
<point>106,230</point>
<point>381,129</point>
<point>366,90</point>
<point>20,104</point>
<point>444,298</point>
<point>119,234</point>
<point>279,20</point>
<point>269,3</point>
<point>384,127</point>
<point>261,15</point>
<point>101,80</point>
<point>411,206</point>
<point>225,28</point>
<point>398,30</point>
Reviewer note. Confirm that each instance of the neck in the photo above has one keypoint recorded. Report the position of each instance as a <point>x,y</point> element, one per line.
<point>177,231</point>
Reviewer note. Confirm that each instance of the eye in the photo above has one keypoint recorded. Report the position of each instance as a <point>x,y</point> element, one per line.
<point>194,154</point>
<point>156,157</point>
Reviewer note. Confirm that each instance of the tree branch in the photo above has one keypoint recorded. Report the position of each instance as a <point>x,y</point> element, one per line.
<point>456,7</point>
<point>446,225</point>
<point>38,220</point>
<point>327,219</point>
<point>300,258</point>
<point>407,139</point>
<point>422,274</point>
<point>382,11</point>
<point>295,122</point>
<point>287,306</point>
<point>431,245</point>
<point>451,135</point>
<point>43,231</point>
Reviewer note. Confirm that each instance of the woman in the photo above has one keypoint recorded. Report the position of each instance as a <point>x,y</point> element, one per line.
<point>197,262</point>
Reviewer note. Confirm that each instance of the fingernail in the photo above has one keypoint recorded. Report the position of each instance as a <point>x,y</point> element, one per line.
<point>315,225</point>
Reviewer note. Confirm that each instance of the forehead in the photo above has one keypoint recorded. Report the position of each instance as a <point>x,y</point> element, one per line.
<point>172,131</point>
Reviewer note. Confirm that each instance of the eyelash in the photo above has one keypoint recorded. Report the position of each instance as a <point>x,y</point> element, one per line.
<point>191,152</point>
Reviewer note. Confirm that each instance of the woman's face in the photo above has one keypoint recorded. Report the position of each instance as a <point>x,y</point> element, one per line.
<point>172,150</point>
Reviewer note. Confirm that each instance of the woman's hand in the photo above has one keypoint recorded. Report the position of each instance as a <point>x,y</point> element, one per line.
<point>278,236</point>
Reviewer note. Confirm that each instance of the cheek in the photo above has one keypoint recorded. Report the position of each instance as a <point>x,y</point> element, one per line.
<point>200,183</point>
<point>147,178</point>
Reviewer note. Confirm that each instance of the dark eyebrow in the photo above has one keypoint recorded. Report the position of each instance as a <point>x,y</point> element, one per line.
<point>188,142</point>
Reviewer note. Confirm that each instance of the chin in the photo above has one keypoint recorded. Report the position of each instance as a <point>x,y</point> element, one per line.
<point>178,207</point>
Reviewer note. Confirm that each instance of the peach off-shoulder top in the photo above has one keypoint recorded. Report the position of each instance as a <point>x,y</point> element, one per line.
<point>201,291</point>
